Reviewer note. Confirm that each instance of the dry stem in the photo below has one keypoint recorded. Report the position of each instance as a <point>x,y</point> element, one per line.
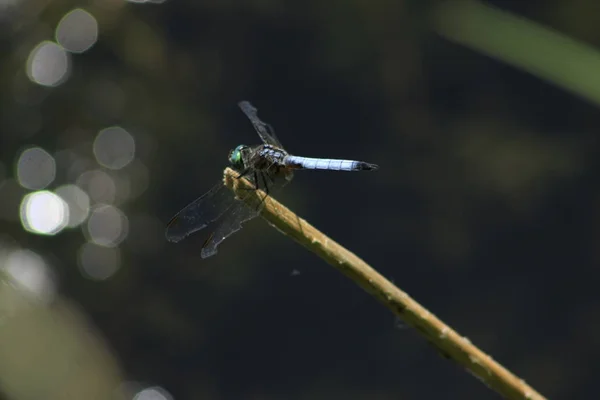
<point>447,341</point>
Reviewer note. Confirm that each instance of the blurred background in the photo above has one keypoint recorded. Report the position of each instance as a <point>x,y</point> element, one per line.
<point>483,117</point>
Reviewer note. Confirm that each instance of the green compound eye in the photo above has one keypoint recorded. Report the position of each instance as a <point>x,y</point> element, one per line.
<point>235,156</point>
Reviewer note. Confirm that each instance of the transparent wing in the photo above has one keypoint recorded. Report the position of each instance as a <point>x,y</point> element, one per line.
<point>229,224</point>
<point>199,213</point>
<point>239,213</point>
<point>264,130</point>
<point>219,203</point>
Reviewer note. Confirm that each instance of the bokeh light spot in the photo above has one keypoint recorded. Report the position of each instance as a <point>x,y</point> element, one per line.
<point>98,262</point>
<point>114,147</point>
<point>36,169</point>
<point>107,226</point>
<point>99,185</point>
<point>29,272</point>
<point>147,1</point>
<point>77,31</point>
<point>48,64</point>
<point>152,393</point>
<point>44,213</point>
<point>78,202</point>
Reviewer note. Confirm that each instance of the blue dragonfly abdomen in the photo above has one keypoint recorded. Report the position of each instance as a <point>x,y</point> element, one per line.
<point>296,162</point>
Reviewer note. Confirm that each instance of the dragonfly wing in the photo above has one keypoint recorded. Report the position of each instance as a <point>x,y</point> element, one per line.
<point>264,130</point>
<point>240,212</point>
<point>199,213</point>
<point>231,223</point>
<point>220,203</point>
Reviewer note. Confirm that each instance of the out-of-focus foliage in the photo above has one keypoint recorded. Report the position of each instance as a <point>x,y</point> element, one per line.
<point>114,115</point>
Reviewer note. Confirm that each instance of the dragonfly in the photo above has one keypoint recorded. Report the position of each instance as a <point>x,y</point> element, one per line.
<point>268,166</point>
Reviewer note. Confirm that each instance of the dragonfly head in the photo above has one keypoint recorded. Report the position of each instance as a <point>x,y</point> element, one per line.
<point>235,156</point>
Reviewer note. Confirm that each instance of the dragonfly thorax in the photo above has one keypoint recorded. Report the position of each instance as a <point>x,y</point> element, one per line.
<point>260,158</point>
<point>268,155</point>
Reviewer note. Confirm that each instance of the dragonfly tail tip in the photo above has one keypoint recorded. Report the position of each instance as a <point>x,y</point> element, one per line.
<point>369,167</point>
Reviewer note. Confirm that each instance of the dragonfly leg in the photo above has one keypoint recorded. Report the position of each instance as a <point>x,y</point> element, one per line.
<point>256,182</point>
<point>265,189</point>
<point>243,173</point>
<point>271,181</point>
<point>269,178</point>
<point>265,177</point>
<point>257,176</point>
